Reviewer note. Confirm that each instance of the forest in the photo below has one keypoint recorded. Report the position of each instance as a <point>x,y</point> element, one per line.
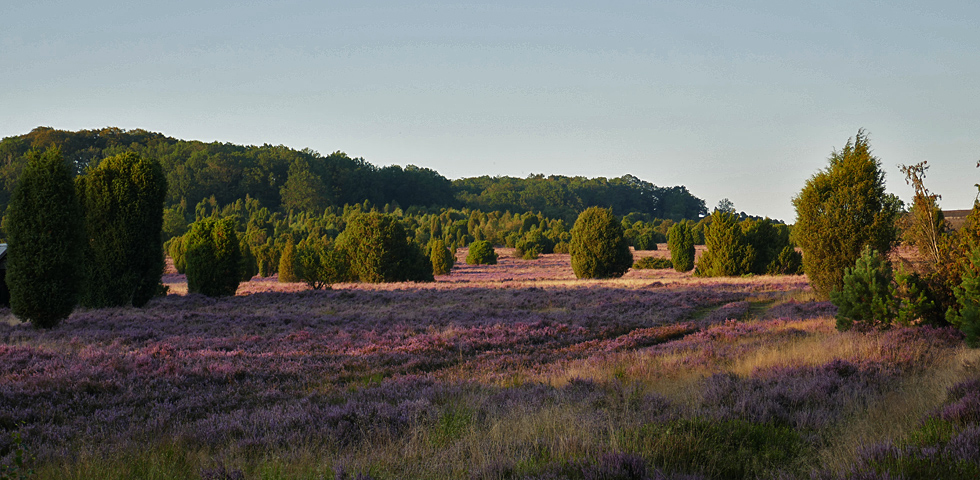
<point>284,179</point>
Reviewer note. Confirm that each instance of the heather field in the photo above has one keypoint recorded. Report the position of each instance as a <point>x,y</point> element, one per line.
<point>509,371</point>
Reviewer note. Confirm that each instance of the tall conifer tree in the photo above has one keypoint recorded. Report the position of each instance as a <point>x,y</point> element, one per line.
<point>44,227</point>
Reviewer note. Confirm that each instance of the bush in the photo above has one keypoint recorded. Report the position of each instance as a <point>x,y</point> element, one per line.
<point>598,247</point>
<point>378,250</point>
<point>123,202</point>
<point>728,253</point>
<point>967,295</point>
<point>320,264</point>
<point>533,243</point>
<point>288,263</point>
<point>249,266</point>
<point>213,257</point>
<point>177,249</point>
<point>442,259</point>
<point>45,236</point>
<point>481,253</point>
<point>788,262</point>
<point>653,263</point>
<point>866,297</point>
<point>840,211</point>
<point>680,241</point>
<point>562,247</point>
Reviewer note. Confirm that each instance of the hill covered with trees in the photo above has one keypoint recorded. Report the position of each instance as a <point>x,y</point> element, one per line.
<point>285,179</point>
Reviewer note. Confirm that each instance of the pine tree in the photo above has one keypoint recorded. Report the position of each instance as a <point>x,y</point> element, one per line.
<point>45,236</point>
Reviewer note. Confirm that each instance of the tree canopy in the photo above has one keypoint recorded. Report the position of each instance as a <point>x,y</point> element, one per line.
<point>284,179</point>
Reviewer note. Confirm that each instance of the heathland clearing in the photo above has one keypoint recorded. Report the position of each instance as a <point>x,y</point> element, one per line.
<point>495,371</point>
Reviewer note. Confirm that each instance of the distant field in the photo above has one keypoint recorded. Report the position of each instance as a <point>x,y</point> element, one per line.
<point>515,370</point>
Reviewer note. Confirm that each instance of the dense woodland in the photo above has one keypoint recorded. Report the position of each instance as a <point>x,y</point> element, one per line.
<point>282,179</point>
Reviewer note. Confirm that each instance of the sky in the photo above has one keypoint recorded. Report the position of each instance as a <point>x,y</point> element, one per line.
<point>742,100</point>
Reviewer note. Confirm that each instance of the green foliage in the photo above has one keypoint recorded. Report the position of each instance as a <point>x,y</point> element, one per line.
<point>730,449</point>
<point>533,243</point>
<point>967,317</point>
<point>266,259</point>
<point>680,241</point>
<point>641,236</point>
<point>213,257</point>
<point>378,249</point>
<point>320,264</point>
<point>562,197</point>
<point>728,253</point>
<point>653,263</point>
<point>18,470</point>
<point>176,248</point>
<point>288,264</point>
<point>840,211</point>
<point>45,234</point>
<point>562,247</point>
<point>441,257</point>
<point>914,300</point>
<point>122,199</point>
<point>481,253</point>
<point>249,266</point>
<point>866,297</point>
<point>788,262</point>
<point>598,247</point>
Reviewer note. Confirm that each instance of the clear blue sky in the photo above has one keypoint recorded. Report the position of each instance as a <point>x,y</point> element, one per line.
<point>741,99</point>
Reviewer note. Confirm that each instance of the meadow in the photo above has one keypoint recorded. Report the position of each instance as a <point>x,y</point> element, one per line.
<point>508,371</point>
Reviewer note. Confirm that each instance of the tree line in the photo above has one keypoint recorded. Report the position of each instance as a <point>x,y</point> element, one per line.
<point>284,179</point>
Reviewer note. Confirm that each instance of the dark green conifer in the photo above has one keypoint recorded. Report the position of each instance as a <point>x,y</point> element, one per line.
<point>123,202</point>
<point>598,247</point>
<point>45,235</point>
<point>213,257</point>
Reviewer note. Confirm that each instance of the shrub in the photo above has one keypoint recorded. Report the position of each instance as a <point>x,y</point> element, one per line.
<point>213,257</point>
<point>44,228</point>
<point>653,263</point>
<point>177,250</point>
<point>562,247</point>
<point>728,253</point>
<point>378,250</point>
<point>533,243</point>
<point>249,266</point>
<point>680,241</point>
<point>866,296</point>
<point>288,263</point>
<point>788,262</point>
<point>320,264</point>
<point>123,202</point>
<point>598,247</point>
<point>266,259</point>
<point>442,259</point>
<point>840,211</point>
<point>481,253</point>
<point>967,295</point>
